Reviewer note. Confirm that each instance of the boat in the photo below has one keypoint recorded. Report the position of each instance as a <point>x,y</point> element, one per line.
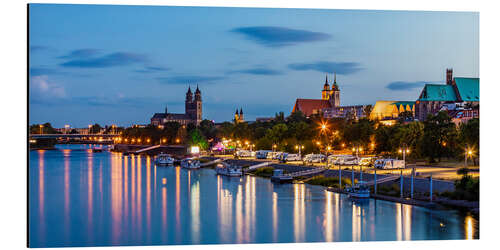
<point>359,191</point>
<point>228,170</point>
<point>190,163</point>
<point>164,159</point>
<point>97,150</point>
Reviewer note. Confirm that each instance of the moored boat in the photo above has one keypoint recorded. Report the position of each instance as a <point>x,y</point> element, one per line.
<point>359,191</point>
<point>190,163</point>
<point>164,159</point>
<point>228,170</point>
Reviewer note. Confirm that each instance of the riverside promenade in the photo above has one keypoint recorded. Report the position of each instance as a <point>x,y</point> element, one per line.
<point>421,185</point>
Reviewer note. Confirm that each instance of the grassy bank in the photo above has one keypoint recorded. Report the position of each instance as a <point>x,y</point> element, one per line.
<point>328,181</point>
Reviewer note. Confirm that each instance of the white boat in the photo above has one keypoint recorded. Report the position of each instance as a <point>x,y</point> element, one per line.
<point>164,159</point>
<point>190,163</point>
<point>228,170</point>
<point>360,190</point>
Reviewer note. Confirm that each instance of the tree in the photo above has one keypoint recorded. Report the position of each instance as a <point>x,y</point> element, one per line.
<point>410,135</point>
<point>359,133</point>
<point>439,138</point>
<point>95,129</point>
<point>383,136</point>
<point>277,133</point>
<point>196,138</point>
<point>45,128</point>
<point>297,116</point>
<point>207,128</point>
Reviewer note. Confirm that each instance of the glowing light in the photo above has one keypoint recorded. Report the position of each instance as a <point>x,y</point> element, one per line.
<point>400,151</point>
<point>195,150</point>
<point>148,140</point>
<point>177,140</point>
<point>164,140</point>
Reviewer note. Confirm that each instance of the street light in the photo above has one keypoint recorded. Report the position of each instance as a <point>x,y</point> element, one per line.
<point>468,153</point>
<point>404,150</point>
<point>299,147</point>
<point>41,129</point>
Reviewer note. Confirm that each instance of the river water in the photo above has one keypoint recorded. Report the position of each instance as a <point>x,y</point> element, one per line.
<point>81,198</point>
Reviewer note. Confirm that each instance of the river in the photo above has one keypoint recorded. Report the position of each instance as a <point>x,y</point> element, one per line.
<point>81,198</point>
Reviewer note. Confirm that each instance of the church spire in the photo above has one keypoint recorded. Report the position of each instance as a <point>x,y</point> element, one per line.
<point>335,77</point>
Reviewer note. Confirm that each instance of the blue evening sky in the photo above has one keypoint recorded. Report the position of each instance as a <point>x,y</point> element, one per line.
<point>120,64</point>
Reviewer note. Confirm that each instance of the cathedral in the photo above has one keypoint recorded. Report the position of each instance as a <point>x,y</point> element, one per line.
<point>193,111</point>
<point>329,104</point>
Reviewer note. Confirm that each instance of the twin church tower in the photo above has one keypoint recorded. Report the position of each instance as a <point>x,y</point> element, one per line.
<point>331,94</point>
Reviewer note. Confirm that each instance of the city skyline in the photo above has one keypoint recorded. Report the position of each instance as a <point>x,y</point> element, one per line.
<point>141,58</point>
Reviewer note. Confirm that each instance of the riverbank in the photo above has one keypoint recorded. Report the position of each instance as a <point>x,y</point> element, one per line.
<point>421,186</point>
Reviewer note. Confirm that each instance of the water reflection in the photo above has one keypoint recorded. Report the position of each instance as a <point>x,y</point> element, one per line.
<point>41,191</point>
<point>469,228</point>
<point>195,211</point>
<point>328,216</point>
<point>299,212</point>
<point>108,199</point>
<point>275,217</point>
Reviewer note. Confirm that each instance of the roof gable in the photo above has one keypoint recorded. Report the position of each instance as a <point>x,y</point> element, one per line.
<point>468,88</point>
<point>438,92</point>
<point>311,106</point>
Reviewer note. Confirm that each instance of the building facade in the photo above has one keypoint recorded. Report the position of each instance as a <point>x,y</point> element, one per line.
<point>329,104</point>
<point>462,90</point>
<point>193,111</point>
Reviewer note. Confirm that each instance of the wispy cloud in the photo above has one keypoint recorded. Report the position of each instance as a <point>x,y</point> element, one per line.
<point>341,68</point>
<point>38,48</point>
<point>80,54</point>
<point>404,86</point>
<point>152,69</point>
<point>39,71</point>
<point>189,79</point>
<point>110,60</point>
<point>257,71</point>
<point>43,90</point>
<point>272,36</point>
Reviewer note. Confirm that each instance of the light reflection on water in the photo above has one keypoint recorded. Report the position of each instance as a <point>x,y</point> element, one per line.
<point>108,199</point>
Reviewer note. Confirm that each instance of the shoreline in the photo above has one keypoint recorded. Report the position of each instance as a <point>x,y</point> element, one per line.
<point>440,203</point>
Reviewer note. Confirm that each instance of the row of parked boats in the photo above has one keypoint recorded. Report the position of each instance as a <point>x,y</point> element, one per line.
<point>192,163</point>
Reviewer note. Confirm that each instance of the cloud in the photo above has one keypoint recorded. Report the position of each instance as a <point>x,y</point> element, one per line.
<point>271,36</point>
<point>257,71</point>
<point>39,71</point>
<point>188,79</point>
<point>110,60</point>
<point>152,69</point>
<point>80,53</point>
<point>43,90</point>
<point>341,68</point>
<point>404,86</point>
<point>38,48</point>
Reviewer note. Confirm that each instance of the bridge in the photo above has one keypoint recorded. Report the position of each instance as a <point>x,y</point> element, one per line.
<point>70,136</point>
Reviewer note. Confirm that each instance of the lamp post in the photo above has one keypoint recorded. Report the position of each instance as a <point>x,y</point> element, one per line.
<point>299,147</point>
<point>468,153</point>
<point>41,129</point>
<point>404,150</point>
